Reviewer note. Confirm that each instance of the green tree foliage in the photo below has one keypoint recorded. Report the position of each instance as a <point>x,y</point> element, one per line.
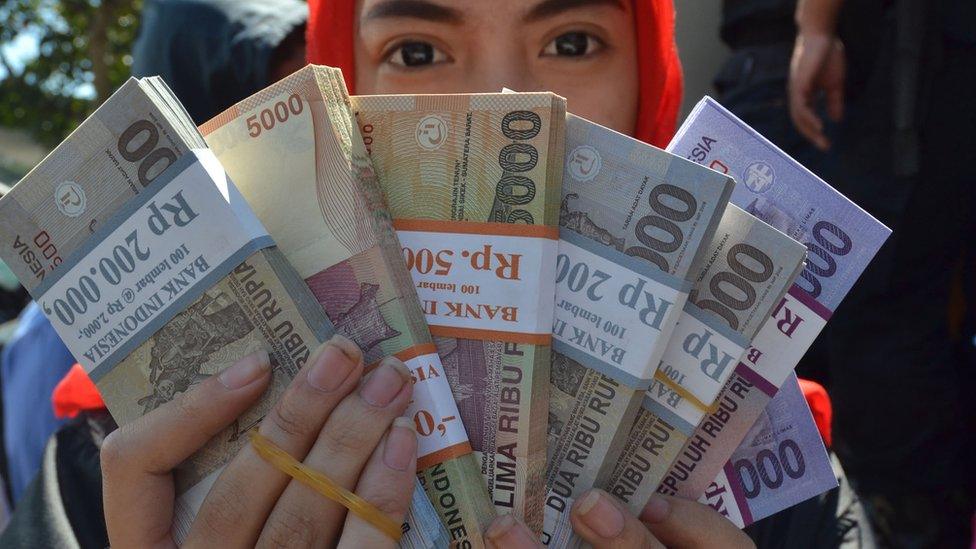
<point>84,45</point>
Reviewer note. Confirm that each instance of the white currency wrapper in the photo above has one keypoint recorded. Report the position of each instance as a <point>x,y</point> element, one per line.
<point>131,306</point>
<point>482,282</point>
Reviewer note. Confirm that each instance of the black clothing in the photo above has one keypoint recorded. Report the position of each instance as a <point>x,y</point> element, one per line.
<point>62,507</point>
<point>899,375</point>
<point>213,53</point>
<point>835,519</point>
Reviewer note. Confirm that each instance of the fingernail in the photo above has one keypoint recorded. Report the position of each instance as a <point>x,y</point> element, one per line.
<point>600,514</point>
<point>656,510</point>
<point>348,347</point>
<point>331,365</point>
<point>385,382</point>
<point>505,531</point>
<point>401,445</point>
<point>246,370</point>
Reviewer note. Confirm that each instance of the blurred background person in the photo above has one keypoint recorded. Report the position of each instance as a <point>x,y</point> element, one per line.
<point>31,365</point>
<point>213,53</point>
<point>897,78</point>
<point>873,97</point>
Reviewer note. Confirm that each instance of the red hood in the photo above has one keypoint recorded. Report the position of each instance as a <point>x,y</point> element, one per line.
<point>330,42</point>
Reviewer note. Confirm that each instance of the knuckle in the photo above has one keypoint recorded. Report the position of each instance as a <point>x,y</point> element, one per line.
<point>288,528</point>
<point>289,418</point>
<point>111,454</point>
<point>391,502</point>
<point>348,435</point>
<point>187,407</point>
<point>224,511</point>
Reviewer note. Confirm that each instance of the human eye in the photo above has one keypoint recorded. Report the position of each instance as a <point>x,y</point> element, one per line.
<point>573,44</point>
<point>415,53</point>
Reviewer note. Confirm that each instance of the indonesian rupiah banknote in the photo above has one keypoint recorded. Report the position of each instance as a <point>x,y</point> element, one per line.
<point>778,464</point>
<point>743,274</point>
<point>473,183</point>
<point>841,239</point>
<point>632,221</point>
<point>296,153</point>
<point>154,271</point>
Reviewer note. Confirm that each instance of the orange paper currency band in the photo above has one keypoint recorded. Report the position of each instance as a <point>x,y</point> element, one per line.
<point>491,335</point>
<point>684,393</point>
<point>322,484</point>
<point>408,354</point>
<point>474,227</point>
<point>415,351</point>
<point>443,455</point>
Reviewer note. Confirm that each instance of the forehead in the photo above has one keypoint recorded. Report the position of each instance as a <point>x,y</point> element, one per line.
<point>480,11</point>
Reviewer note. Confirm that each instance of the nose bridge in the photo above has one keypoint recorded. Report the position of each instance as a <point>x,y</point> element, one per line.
<point>500,62</point>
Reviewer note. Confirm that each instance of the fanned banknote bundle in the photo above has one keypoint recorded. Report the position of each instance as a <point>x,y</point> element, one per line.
<point>745,271</point>
<point>473,182</point>
<point>604,313</point>
<point>841,239</point>
<point>780,463</point>
<point>632,222</point>
<point>297,156</point>
<point>153,269</point>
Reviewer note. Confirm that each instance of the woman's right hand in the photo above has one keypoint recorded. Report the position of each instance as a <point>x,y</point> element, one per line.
<point>604,523</point>
<point>330,417</point>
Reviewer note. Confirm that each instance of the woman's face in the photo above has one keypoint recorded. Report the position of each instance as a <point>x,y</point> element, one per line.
<point>584,50</point>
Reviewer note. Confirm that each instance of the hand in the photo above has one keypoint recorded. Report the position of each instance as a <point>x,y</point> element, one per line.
<point>818,64</point>
<point>604,523</point>
<point>329,417</point>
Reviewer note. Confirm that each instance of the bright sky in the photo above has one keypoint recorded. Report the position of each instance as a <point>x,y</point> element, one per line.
<point>19,51</point>
<point>23,49</point>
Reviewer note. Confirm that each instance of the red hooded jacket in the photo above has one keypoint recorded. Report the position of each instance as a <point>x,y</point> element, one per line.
<point>330,42</point>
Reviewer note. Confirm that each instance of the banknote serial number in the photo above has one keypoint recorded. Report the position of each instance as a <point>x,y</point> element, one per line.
<point>45,250</point>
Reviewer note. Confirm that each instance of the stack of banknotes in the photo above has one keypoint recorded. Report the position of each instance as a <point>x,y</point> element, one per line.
<point>579,309</point>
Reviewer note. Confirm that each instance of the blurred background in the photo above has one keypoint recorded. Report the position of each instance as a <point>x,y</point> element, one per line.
<point>55,67</point>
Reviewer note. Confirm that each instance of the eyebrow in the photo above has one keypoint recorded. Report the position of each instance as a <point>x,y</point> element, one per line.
<point>416,9</point>
<point>550,8</point>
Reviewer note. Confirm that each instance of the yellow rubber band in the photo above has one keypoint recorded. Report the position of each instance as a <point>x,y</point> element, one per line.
<point>685,393</point>
<point>322,484</point>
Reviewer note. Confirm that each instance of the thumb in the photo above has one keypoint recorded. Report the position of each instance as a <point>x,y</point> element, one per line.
<point>137,459</point>
<point>681,523</point>
<point>605,524</point>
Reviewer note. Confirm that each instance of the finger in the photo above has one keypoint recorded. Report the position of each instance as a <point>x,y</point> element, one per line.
<point>138,458</point>
<point>809,125</point>
<point>835,89</point>
<point>507,532</point>
<point>835,102</point>
<point>804,118</point>
<point>801,89</point>
<point>387,483</point>
<point>681,523</point>
<point>345,443</point>
<point>605,524</point>
<point>235,509</point>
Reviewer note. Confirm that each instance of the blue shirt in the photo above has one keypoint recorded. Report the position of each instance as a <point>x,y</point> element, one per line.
<point>32,364</point>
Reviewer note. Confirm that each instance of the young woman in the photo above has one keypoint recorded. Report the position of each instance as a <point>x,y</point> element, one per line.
<point>615,61</point>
